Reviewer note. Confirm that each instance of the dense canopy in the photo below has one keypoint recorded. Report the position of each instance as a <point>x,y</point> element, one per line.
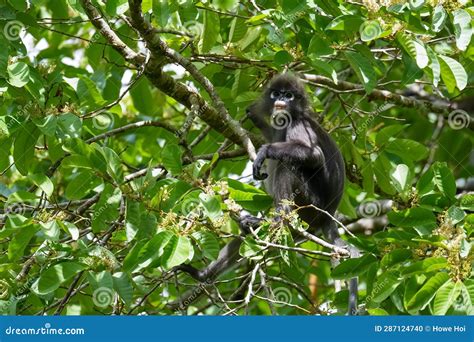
<point>124,152</point>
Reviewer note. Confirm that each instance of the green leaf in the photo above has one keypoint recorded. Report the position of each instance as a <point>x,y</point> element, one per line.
<point>462,28</point>
<point>469,288</point>
<point>251,249</point>
<point>102,279</point>
<point>142,97</point>
<point>412,217</point>
<point>162,12</point>
<point>53,277</point>
<point>440,178</point>
<point>47,125</point>
<point>363,69</point>
<point>452,73</point>
<point>3,58</point>
<point>116,7</point>
<point>434,66</point>
<point>407,149</point>
<point>353,267</point>
<point>208,244</point>
<point>387,133</point>
<point>114,164</point>
<point>438,19</point>
<point>282,57</point>
<point>138,221</point>
<point>152,250</point>
<point>348,23</point>
<point>171,158</point>
<point>444,180</point>
<point>324,68</point>
<point>248,196</point>
<point>377,312</point>
<point>400,177</point>
<point>395,257</point>
<point>210,34</point>
<point>446,296</point>
<point>424,295</point>
<point>51,229</point>
<point>43,182</point>
<point>68,126</point>
<point>466,202</point>
<point>177,251</point>
<point>386,283</point>
<point>24,147</point>
<point>425,266</point>
<point>212,205</point>
<point>20,240</point>
<point>88,93</point>
<point>252,35</point>
<point>123,286</point>
<point>416,49</point>
<point>70,228</point>
<point>415,4</point>
<point>106,209</point>
<point>456,215</point>
<point>319,46</point>
<point>82,184</point>
<point>18,74</point>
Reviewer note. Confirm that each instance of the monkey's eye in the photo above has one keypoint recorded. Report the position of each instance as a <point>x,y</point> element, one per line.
<point>275,94</point>
<point>289,96</point>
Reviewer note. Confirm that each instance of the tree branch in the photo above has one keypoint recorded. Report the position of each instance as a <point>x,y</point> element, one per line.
<point>442,107</point>
<point>163,81</point>
<point>159,49</point>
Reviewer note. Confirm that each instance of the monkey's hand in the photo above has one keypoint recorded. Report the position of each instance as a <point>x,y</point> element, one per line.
<point>258,163</point>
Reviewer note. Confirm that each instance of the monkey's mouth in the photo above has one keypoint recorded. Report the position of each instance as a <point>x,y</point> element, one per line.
<point>279,105</point>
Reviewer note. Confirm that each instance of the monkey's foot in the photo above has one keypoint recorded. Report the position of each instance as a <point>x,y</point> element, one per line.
<point>248,221</point>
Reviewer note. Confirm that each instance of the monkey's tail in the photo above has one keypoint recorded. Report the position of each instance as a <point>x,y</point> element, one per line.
<point>353,288</point>
<point>353,284</point>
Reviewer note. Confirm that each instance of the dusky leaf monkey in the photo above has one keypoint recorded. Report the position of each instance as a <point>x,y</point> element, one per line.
<point>304,165</point>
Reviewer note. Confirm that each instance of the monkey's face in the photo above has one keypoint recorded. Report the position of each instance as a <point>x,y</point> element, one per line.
<point>287,94</point>
<point>282,99</point>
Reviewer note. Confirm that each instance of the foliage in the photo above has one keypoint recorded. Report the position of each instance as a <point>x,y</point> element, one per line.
<point>107,183</point>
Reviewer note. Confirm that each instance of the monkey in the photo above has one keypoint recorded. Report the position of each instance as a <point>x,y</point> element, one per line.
<point>304,165</point>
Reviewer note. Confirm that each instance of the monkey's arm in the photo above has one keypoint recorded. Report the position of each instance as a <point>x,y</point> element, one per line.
<point>260,123</point>
<point>291,152</point>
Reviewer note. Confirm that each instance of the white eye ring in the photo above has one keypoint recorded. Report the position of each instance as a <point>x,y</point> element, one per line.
<point>274,94</point>
<point>289,96</point>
